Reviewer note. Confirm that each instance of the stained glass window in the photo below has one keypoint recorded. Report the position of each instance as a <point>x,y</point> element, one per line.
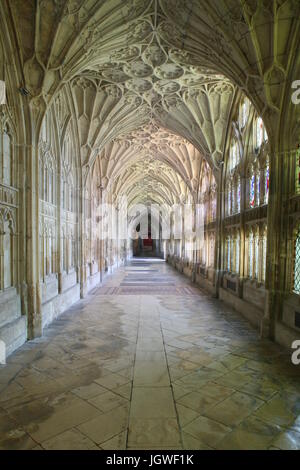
<point>297,265</point>
<point>252,191</point>
<point>239,195</point>
<point>251,255</point>
<point>267,183</point>
<point>257,189</point>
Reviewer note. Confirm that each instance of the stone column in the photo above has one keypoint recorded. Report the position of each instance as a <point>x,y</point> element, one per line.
<point>59,230</point>
<point>220,209</point>
<point>82,260</point>
<point>30,154</point>
<point>277,240</point>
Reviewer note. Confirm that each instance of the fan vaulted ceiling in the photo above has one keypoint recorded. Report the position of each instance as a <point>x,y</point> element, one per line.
<point>153,81</point>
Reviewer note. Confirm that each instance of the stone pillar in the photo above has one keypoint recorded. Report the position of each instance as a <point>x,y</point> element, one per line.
<point>59,229</point>
<point>82,259</point>
<point>30,154</point>
<point>101,255</point>
<point>277,240</point>
<point>220,209</point>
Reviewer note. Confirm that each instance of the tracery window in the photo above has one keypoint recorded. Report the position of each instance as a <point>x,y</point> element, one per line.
<point>257,188</point>
<point>233,185</point>
<point>247,185</point>
<point>257,251</point>
<point>8,214</point>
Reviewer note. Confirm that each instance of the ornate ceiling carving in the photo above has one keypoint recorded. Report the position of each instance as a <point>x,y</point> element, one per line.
<point>154,80</point>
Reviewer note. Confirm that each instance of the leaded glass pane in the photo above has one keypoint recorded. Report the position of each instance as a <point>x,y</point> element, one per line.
<point>267,182</point>
<point>257,188</point>
<point>239,196</point>
<point>252,191</point>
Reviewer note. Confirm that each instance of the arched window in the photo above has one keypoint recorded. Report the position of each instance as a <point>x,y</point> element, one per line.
<point>257,187</point>
<point>297,264</point>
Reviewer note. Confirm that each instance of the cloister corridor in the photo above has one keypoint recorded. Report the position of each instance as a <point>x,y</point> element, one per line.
<point>149,361</point>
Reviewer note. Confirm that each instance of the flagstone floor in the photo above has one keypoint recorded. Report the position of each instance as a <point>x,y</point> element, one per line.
<point>148,361</point>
